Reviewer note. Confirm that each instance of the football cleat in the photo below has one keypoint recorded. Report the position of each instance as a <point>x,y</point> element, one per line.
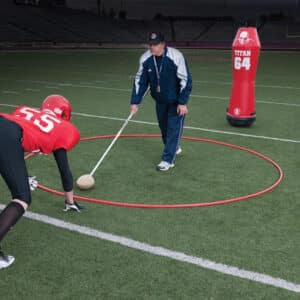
<point>164,166</point>
<point>73,207</point>
<point>178,151</point>
<point>32,183</point>
<point>5,260</point>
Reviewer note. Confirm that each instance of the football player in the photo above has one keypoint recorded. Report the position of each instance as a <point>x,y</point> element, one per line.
<point>45,130</point>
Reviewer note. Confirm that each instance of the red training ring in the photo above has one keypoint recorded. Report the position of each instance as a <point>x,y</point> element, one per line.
<point>182,205</point>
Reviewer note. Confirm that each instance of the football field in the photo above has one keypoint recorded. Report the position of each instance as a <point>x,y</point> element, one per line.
<point>247,249</point>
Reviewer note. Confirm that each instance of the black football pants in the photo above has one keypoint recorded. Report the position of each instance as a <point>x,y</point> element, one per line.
<point>12,164</point>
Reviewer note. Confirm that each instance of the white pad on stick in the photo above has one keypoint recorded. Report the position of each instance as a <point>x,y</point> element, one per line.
<point>85,182</point>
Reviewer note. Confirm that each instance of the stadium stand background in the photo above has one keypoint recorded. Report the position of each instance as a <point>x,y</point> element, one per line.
<point>52,23</point>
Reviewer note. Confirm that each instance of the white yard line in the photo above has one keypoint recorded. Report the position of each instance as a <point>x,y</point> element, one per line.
<point>9,92</point>
<point>196,128</point>
<point>93,86</point>
<point>160,251</point>
<point>257,100</point>
<point>257,85</point>
<point>33,90</point>
<point>185,127</point>
<point>8,105</point>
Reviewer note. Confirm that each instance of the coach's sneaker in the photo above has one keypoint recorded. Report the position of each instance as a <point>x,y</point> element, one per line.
<point>5,260</point>
<point>164,166</point>
<point>178,151</point>
<point>74,207</point>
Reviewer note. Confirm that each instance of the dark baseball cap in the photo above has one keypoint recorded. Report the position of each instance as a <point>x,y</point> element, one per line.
<point>155,38</point>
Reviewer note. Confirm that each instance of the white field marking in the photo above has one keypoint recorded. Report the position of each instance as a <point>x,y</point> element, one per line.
<point>9,92</point>
<point>91,86</point>
<point>243,134</point>
<point>99,81</point>
<point>185,127</point>
<point>100,87</point>
<point>256,85</point>
<point>192,95</point>
<point>160,251</point>
<point>195,128</point>
<point>258,101</point>
<point>8,105</point>
<point>32,90</point>
<point>52,87</point>
<point>278,103</point>
<point>65,84</point>
<point>130,76</point>
<point>225,83</point>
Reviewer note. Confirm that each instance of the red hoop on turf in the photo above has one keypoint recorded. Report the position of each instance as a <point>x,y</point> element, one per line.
<point>181,205</point>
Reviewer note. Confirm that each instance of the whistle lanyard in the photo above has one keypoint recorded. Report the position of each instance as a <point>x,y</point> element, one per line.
<point>158,71</point>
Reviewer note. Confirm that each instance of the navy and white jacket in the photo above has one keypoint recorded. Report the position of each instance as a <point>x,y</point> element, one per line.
<point>175,79</point>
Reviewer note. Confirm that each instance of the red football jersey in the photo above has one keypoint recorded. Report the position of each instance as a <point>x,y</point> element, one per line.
<point>42,131</point>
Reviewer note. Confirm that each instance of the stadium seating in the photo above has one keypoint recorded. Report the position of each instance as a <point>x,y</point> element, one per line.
<point>30,24</point>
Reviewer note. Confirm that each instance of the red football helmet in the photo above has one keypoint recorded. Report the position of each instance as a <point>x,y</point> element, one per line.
<point>59,105</point>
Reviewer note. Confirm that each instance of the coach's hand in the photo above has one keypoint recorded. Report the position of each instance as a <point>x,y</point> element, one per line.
<point>134,109</point>
<point>182,109</point>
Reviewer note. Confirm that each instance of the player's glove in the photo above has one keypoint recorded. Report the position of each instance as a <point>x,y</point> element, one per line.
<point>32,182</point>
<point>73,207</point>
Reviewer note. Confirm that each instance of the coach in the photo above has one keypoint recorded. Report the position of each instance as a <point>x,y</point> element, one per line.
<point>164,70</point>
